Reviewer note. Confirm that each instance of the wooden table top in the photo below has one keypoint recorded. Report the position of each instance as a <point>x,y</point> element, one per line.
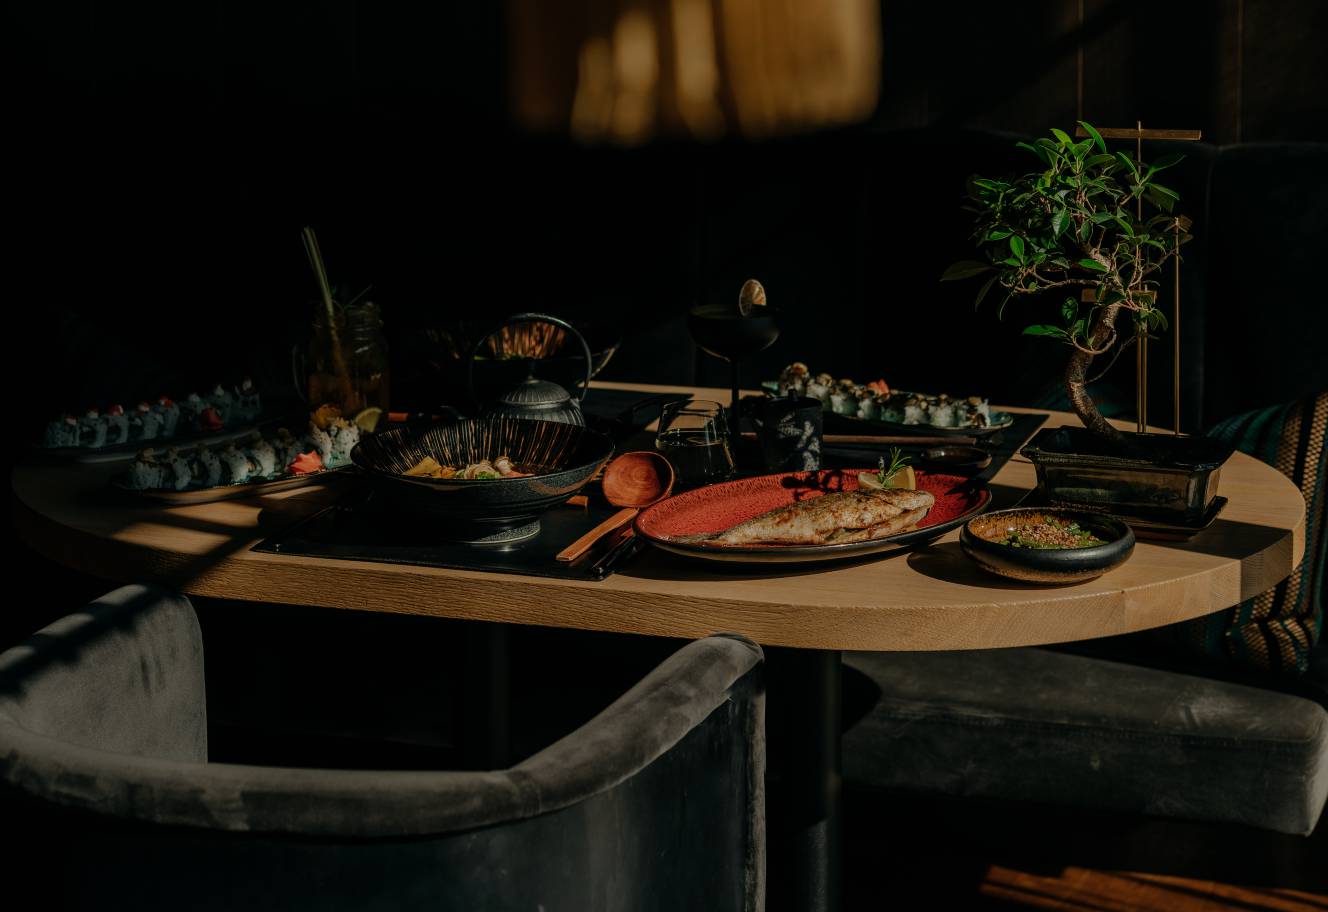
<point>929,598</point>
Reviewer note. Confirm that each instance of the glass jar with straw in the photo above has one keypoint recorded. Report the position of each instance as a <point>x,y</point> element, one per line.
<point>348,363</point>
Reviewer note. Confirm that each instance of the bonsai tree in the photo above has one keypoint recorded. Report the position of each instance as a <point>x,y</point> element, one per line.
<point>1089,219</point>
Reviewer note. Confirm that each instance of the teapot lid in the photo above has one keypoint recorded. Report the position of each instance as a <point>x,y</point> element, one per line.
<point>534,393</point>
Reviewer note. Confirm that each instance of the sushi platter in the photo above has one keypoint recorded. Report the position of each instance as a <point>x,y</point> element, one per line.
<point>248,467</point>
<point>199,494</point>
<point>877,406</point>
<point>115,434</point>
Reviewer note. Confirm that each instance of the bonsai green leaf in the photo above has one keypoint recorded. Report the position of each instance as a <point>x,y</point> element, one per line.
<point>997,234</point>
<point>1094,135</point>
<point>1166,161</point>
<point>1059,220</point>
<point>1070,309</point>
<point>1062,137</point>
<point>1017,247</point>
<point>1161,197</point>
<point>965,269</point>
<point>1036,150</point>
<point>1124,159</point>
<point>1094,265</point>
<point>982,292</point>
<point>1085,229</point>
<point>1042,329</point>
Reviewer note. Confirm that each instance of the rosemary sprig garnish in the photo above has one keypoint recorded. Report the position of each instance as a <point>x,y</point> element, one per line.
<point>897,461</point>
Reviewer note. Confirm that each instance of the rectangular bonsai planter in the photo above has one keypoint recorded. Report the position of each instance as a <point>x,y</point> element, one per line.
<point>1164,478</point>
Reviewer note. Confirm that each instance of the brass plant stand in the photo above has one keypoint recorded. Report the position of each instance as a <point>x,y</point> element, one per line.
<point>1139,134</point>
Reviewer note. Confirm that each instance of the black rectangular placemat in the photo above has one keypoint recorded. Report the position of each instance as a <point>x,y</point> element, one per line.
<point>348,532</point>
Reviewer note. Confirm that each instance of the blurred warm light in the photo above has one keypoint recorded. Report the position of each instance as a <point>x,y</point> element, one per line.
<point>627,71</point>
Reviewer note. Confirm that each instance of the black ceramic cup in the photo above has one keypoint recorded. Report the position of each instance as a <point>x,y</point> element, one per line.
<point>788,429</point>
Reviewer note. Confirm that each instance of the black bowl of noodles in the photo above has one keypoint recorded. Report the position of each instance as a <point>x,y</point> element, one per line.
<point>555,461</point>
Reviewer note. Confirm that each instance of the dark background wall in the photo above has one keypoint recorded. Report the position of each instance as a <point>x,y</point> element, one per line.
<point>165,155</point>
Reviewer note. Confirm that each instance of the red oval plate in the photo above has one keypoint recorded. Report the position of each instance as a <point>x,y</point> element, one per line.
<point>721,506</point>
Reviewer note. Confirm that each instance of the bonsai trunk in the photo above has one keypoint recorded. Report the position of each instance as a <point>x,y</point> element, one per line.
<point>1076,379</point>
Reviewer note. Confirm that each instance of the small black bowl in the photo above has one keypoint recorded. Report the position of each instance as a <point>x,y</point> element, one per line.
<point>1048,565</point>
<point>561,457</point>
<point>961,459</point>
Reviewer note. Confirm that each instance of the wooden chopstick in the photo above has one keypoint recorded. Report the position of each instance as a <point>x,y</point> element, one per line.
<point>588,541</point>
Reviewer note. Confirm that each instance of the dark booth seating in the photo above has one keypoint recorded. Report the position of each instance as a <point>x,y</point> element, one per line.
<point>1076,731</point>
<point>656,803</point>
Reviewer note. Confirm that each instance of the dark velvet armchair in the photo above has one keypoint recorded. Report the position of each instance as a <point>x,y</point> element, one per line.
<point>656,803</point>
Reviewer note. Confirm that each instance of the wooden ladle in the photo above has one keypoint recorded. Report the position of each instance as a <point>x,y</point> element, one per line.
<point>633,481</point>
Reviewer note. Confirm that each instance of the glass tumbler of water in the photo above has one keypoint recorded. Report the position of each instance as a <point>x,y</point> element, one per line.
<point>694,437</point>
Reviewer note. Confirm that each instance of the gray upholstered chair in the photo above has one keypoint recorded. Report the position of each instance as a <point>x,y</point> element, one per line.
<point>656,803</point>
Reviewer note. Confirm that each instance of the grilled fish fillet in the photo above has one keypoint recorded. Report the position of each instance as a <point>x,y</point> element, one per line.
<point>849,516</point>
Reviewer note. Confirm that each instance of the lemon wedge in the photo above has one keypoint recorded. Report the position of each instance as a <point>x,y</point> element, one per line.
<point>367,420</point>
<point>902,478</point>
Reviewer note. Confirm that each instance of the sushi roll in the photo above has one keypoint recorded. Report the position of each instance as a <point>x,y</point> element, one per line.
<point>321,441</point>
<point>63,432</point>
<point>117,425</point>
<point>191,408</point>
<point>222,401</point>
<point>263,455</point>
<point>793,379</point>
<point>206,467</point>
<point>175,470</point>
<point>887,410</point>
<point>843,402</point>
<point>915,410</point>
<point>867,407</point>
<point>145,473</point>
<point>92,429</point>
<point>942,412</point>
<point>247,404</point>
<point>169,413</point>
<point>146,423</point>
<point>819,387</point>
<point>344,435</point>
<point>977,412</point>
<point>236,467</point>
<point>287,448</point>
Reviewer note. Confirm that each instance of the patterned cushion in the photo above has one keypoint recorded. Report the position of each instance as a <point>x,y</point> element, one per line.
<point>1277,630</point>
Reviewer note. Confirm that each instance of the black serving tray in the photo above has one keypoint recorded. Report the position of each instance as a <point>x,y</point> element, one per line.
<point>360,530</point>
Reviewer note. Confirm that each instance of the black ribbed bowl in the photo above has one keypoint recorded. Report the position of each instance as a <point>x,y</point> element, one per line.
<point>562,458</point>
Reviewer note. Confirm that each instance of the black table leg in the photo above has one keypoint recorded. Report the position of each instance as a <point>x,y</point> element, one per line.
<point>804,711</point>
<point>485,709</point>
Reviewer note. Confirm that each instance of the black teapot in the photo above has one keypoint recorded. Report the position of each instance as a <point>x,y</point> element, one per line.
<point>533,398</point>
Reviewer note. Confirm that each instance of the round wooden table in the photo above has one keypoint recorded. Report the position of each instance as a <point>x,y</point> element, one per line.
<point>928,599</point>
<point>932,598</point>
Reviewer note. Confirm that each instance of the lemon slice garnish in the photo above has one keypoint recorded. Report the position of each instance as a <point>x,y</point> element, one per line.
<point>903,478</point>
<point>367,419</point>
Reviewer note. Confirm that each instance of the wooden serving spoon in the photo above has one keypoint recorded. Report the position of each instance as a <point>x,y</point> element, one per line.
<point>633,481</point>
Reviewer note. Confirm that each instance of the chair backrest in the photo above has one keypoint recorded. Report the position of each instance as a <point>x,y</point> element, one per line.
<point>124,675</point>
<point>656,803</point>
